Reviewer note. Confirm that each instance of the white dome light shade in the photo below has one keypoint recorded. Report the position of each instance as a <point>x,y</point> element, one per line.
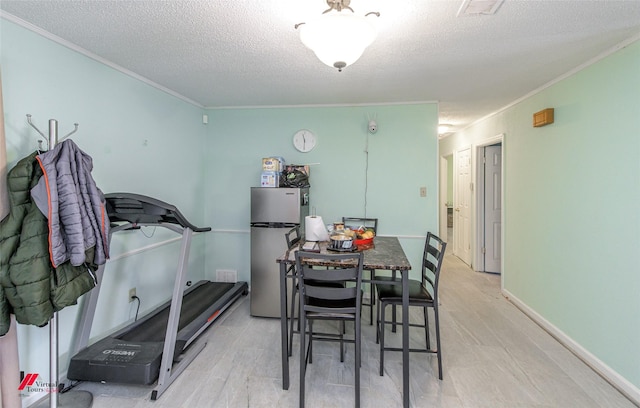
<point>338,38</point>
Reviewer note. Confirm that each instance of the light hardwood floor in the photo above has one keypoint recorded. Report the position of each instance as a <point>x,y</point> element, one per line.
<point>493,356</point>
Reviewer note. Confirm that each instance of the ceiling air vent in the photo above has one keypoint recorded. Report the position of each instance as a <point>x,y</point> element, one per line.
<point>479,7</point>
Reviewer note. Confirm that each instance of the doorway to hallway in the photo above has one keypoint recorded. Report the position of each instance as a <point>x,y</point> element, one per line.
<point>471,202</point>
<point>446,199</point>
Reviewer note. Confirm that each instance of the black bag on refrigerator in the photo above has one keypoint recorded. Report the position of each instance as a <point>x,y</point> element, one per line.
<point>295,176</point>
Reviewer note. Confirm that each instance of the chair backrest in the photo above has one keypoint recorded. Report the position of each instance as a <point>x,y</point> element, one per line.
<point>292,236</point>
<point>432,258</point>
<point>356,222</point>
<point>332,300</point>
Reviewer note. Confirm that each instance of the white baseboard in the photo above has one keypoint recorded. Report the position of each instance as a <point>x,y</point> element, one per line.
<point>611,376</point>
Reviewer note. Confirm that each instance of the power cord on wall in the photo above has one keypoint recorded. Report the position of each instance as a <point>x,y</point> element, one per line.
<point>134,297</point>
<point>153,231</point>
<point>366,173</point>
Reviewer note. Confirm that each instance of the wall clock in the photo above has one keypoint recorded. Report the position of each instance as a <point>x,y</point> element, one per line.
<point>304,140</point>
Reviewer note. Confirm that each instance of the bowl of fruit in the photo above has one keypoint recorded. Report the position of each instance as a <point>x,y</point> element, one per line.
<point>364,236</point>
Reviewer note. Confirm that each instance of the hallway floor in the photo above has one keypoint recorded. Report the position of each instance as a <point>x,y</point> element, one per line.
<point>493,356</point>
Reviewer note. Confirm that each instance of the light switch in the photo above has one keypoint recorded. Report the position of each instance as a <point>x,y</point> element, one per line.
<point>423,191</point>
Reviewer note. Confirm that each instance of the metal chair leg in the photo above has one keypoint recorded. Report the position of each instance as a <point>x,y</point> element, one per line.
<point>378,313</point>
<point>382,326</point>
<point>372,296</point>
<point>310,340</point>
<point>342,331</point>
<point>358,362</point>
<point>294,291</point>
<point>438,352</point>
<point>303,362</point>
<point>426,326</point>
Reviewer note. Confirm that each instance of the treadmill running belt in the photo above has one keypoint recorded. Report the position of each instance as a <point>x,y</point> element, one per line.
<point>193,304</point>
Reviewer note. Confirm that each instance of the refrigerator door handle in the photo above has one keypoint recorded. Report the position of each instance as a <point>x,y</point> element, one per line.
<point>273,225</point>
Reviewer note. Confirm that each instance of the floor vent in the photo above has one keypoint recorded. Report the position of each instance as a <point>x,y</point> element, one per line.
<point>226,275</point>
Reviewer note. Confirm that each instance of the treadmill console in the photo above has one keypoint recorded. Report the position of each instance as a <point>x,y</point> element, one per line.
<point>140,209</point>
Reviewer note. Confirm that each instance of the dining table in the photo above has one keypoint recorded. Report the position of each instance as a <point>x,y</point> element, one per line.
<point>384,253</point>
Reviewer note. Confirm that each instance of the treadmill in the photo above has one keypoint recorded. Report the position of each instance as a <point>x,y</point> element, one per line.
<point>155,347</point>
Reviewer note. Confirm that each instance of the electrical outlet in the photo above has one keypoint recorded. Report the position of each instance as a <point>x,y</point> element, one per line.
<point>132,294</point>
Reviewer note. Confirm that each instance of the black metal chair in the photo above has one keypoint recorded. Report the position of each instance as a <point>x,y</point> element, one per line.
<point>326,302</point>
<point>422,293</point>
<point>354,223</point>
<point>293,238</point>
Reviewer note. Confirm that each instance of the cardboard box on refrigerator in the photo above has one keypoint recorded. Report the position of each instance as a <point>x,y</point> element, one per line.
<point>273,164</point>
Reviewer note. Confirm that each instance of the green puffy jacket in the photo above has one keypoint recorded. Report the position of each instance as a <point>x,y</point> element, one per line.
<point>30,287</point>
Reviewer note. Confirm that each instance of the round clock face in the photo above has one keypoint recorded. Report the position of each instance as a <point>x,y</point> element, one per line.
<point>304,140</point>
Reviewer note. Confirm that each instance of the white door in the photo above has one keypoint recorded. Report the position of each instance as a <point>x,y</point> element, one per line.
<point>443,198</point>
<point>462,206</point>
<point>492,208</point>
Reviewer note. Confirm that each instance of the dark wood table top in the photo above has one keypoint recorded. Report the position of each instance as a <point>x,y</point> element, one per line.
<point>383,253</point>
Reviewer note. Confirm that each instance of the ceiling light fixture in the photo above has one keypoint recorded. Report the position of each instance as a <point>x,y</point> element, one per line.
<point>338,38</point>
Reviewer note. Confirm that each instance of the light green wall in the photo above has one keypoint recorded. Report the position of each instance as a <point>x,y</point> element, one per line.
<point>141,140</point>
<point>402,158</point>
<point>571,194</point>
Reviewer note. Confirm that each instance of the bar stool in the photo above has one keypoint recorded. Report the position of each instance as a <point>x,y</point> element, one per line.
<point>422,293</point>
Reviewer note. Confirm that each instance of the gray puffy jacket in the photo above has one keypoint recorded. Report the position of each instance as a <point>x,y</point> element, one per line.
<point>75,207</point>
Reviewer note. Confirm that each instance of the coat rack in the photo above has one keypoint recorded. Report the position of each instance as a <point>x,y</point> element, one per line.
<point>69,399</point>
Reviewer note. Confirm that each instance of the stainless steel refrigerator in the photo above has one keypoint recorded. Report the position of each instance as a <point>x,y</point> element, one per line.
<point>274,211</point>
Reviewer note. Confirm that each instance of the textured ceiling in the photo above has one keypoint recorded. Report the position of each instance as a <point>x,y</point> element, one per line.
<point>247,52</point>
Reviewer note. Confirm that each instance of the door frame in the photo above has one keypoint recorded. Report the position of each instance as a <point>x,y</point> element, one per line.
<point>479,214</point>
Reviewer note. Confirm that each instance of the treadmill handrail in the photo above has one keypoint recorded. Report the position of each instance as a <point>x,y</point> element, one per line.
<point>139,209</point>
